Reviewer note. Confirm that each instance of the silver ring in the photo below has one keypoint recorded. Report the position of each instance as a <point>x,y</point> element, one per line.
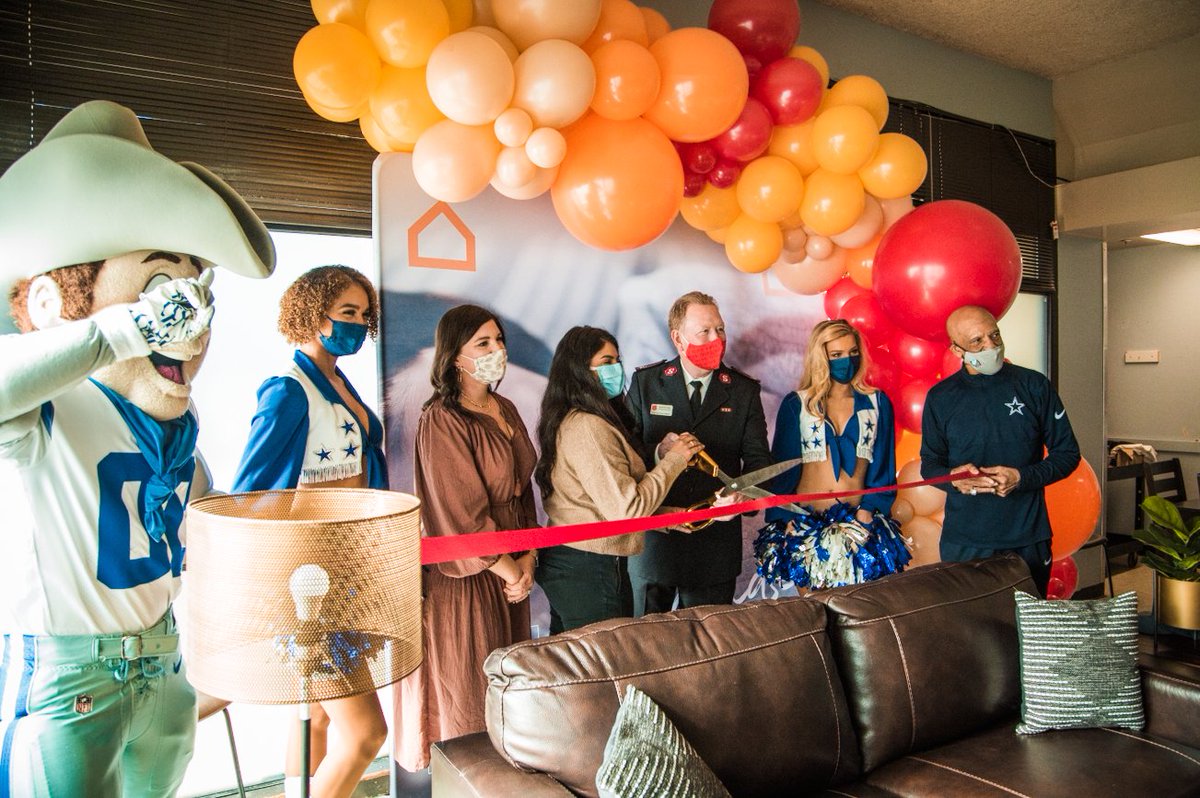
<point>973,491</point>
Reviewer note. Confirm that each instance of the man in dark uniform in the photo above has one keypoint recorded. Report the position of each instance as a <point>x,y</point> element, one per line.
<point>695,393</point>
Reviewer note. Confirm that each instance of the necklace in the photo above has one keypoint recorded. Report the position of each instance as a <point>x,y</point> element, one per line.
<point>482,407</point>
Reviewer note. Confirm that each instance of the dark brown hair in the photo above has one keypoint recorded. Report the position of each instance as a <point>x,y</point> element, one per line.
<point>455,329</point>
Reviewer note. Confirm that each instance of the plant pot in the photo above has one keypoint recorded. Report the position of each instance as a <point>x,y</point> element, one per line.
<point>1178,603</point>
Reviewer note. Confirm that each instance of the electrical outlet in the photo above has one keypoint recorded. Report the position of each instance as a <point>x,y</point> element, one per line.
<point>1141,355</point>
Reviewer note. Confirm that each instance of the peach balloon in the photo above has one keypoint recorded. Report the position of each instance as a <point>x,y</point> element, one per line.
<point>805,53</point>
<point>704,84</point>
<point>897,168</point>
<point>483,13</point>
<point>513,167</point>
<point>862,231</point>
<point>513,127</point>
<point>555,82</point>
<point>926,536</point>
<point>378,138</point>
<point>460,12</point>
<point>752,245</point>
<point>470,78</point>
<point>619,20</point>
<point>795,143</point>
<point>926,499</point>
<point>539,185</point>
<point>401,104</point>
<point>546,147</point>
<point>499,37</point>
<point>862,91</point>
<point>832,202</point>
<point>793,222</point>
<point>818,247</point>
<point>860,265</point>
<point>530,21</point>
<point>1073,504</point>
<point>627,79</point>
<point>794,238</point>
<point>453,162</point>
<point>335,66</point>
<point>405,32</point>
<point>656,24</point>
<point>902,511</point>
<point>712,209</point>
<point>770,189</point>
<point>620,184</point>
<point>809,276</point>
<point>844,138</point>
<point>895,209</point>
<point>351,12</point>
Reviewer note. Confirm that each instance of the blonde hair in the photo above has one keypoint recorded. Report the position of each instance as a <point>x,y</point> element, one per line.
<point>816,383</point>
<point>680,307</point>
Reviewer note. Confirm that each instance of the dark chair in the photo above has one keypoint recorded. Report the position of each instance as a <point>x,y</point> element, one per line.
<point>1165,479</point>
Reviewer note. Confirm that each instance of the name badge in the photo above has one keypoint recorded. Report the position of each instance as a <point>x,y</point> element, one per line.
<point>661,410</point>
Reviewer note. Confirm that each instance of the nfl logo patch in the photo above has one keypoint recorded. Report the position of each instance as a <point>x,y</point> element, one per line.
<point>725,378</point>
<point>670,371</point>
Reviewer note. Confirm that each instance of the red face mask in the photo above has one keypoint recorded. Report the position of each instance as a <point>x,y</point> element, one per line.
<point>706,356</point>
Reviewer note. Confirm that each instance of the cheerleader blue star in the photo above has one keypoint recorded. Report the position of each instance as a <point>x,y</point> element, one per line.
<point>323,453</point>
<point>348,427</point>
<point>351,450</point>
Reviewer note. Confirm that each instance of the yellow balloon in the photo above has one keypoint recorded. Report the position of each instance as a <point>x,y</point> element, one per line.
<point>897,169</point>
<point>712,209</point>
<point>844,138</point>
<point>862,91</point>
<point>770,189</point>
<point>351,12</point>
<point>752,246</point>
<point>832,202</point>
<point>805,53</point>
<point>406,31</point>
<point>335,66</point>
<point>460,12</point>
<point>378,138</point>
<point>401,105</point>
<point>717,235</point>
<point>795,142</point>
<point>337,114</point>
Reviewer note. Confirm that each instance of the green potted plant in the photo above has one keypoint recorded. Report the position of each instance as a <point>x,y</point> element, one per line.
<point>1173,553</point>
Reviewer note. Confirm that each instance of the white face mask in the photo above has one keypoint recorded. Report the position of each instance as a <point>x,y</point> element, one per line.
<point>985,361</point>
<point>489,368</point>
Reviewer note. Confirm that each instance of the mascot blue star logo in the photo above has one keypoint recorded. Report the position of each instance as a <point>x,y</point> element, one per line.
<point>323,453</point>
<point>347,427</point>
<point>1015,407</point>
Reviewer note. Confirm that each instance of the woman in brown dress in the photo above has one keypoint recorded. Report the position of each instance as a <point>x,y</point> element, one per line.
<point>474,460</point>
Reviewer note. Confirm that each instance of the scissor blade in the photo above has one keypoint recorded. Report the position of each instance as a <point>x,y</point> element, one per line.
<point>740,484</point>
<point>752,492</point>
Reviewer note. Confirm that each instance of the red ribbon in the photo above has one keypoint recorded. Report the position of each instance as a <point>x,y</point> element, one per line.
<point>482,544</point>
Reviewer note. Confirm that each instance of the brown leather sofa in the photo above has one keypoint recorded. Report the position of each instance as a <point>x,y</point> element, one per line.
<point>908,686</point>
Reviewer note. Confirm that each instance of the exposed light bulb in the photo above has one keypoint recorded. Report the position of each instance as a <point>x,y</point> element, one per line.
<point>309,583</point>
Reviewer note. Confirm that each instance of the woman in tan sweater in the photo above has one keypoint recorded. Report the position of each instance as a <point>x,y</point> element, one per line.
<point>590,470</point>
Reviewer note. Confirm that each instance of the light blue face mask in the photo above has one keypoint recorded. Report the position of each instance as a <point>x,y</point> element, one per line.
<point>346,338</point>
<point>612,378</point>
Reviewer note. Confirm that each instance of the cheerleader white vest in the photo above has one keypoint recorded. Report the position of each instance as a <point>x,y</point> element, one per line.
<point>812,431</point>
<point>334,447</point>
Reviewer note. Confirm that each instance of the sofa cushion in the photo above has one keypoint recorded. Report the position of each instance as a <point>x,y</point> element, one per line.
<point>929,655</point>
<point>753,688</point>
<point>1079,663</point>
<point>646,756</point>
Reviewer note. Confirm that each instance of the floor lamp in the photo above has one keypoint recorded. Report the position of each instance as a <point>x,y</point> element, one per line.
<point>301,596</point>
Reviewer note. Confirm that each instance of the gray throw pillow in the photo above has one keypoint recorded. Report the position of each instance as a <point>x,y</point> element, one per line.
<point>647,757</point>
<point>1079,664</point>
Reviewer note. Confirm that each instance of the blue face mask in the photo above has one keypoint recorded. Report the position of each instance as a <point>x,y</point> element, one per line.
<point>346,339</point>
<point>612,378</point>
<point>843,369</point>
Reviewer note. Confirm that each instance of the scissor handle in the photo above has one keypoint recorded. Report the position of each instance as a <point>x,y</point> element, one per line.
<point>696,526</point>
<point>702,462</point>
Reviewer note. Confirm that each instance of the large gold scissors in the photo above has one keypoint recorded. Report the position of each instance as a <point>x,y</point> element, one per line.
<point>746,485</point>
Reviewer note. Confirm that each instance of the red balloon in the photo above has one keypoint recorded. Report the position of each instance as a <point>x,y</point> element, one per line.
<point>790,88</point>
<point>693,184</point>
<point>748,137</point>
<point>836,297</point>
<point>1064,578</point>
<point>942,256</point>
<point>910,404</point>
<point>883,374</point>
<point>951,362</point>
<point>868,316</point>
<point>917,356</point>
<point>700,157</point>
<point>725,173</point>
<point>762,29</point>
<point>1073,505</point>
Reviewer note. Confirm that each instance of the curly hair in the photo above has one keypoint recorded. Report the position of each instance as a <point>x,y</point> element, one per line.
<point>816,382</point>
<point>75,284</point>
<point>306,303</point>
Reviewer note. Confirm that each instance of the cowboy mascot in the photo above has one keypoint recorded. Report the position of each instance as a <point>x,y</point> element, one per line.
<point>107,251</point>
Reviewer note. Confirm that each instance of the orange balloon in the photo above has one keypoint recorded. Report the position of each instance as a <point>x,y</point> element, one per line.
<point>401,105</point>
<point>751,245</point>
<point>378,138</point>
<point>336,114</point>
<point>809,276</point>
<point>925,500</point>
<point>620,183</point>
<point>460,12</point>
<point>619,20</point>
<point>863,91</point>
<point>1073,505</point>
<point>351,12</point>
<point>717,235</point>
<point>832,202</point>
<point>795,142</point>
<point>712,209</point>
<point>844,138</point>
<point>627,79</point>
<point>897,169</point>
<point>770,189</point>
<point>406,31</point>
<point>805,53</point>
<point>860,265</point>
<point>908,447</point>
<point>656,24</point>
<point>704,84</point>
<point>336,66</point>
<point>926,536</point>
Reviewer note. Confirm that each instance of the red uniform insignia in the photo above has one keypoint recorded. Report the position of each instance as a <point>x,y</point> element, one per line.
<point>725,378</point>
<point>670,371</point>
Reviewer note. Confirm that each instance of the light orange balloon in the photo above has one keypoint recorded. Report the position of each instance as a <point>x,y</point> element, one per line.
<point>897,169</point>
<point>810,276</point>
<point>555,83</point>
<point>717,235</point>
<point>406,31</point>
<point>926,536</point>
<point>712,209</point>
<point>500,38</point>
<point>513,168</point>
<point>863,91</point>
<point>619,20</point>
<point>908,446</point>
<point>546,147</point>
<point>860,265</point>
<point>460,13</point>
<point>751,245</point>
<point>704,84</point>
<point>656,24</point>
<point>335,66</point>
<point>513,127</point>
<point>927,499</point>
<point>795,142</point>
<point>530,21</point>
<point>470,78</point>
<point>895,209</point>
<point>805,53</point>
<point>350,12</point>
<point>627,79</point>
<point>832,202</point>
<point>454,162</point>
<point>844,138</point>
<point>770,189</point>
<point>401,105</point>
<point>378,138</point>
<point>539,185</point>
<point>619,186</point>
<point>865,228</point>
<point>901,512</point>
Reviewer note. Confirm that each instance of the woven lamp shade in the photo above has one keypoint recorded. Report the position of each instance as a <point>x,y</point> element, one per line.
<point>298,596</point>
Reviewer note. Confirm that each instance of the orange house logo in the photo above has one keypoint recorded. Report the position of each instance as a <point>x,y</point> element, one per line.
<point>437,211</point>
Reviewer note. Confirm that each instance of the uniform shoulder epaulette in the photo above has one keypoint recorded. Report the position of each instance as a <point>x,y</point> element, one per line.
<point>741,373</point>
<point>651,365</point>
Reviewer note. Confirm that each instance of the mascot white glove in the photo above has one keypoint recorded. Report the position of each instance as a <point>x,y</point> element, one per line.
<point>175,311</point>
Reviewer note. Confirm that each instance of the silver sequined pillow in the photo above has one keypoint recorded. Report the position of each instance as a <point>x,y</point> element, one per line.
<point>1079,664</point>
<point>647,757</point>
